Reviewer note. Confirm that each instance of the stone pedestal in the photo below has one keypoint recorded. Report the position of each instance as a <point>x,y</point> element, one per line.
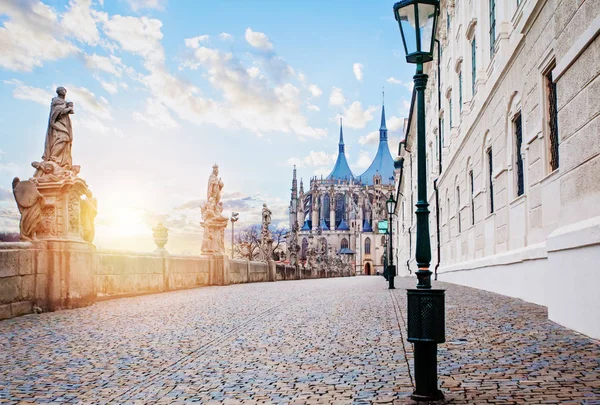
<point>218,270</point>
<point>70,274</point>
<point>69,211</point>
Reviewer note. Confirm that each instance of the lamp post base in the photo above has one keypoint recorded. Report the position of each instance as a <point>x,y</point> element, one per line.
<point>391,273</point>
<point>438,396</point>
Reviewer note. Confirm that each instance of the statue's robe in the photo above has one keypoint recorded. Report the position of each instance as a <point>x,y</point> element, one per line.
<point>59,136</point>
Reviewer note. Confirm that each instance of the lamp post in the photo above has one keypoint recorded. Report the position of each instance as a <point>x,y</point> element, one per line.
<point>385,260</point>
<point>233,219</point>
<point>417,20</point>
<point>390,204</point>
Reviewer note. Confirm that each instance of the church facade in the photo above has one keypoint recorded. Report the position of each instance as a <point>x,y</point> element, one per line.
<point>345,212</point>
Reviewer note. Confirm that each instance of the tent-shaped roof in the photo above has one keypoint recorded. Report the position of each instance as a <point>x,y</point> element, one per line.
<point>383,164</point>
<point>341,170</point>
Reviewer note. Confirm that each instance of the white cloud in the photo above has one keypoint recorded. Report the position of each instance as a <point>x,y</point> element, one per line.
<point>109,64</point>
<point>253,72</point>
<point>358,71</point>
<point>24,92</point>
<point>312,107</point>
<point>369,139</point>
<point>225,36</point>
<point>315,90</point>
<point>195,41</point>
<point>408,85</point>
<point>80,22</point>
<point>258,40</point>
<point>140,36</point>
<point>86,100</point>
<point>30,36</point>
<point>336,98</point>
<point>253,99</point>
<point>302,77</point>
<point>109,87</point>
<point>357,117</point>
<point>156,115</point>
<point>364,160</point>
<point>313,159</point>
<point>137,5</point>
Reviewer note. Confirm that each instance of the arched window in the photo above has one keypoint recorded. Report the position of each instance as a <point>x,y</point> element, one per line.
<point>340,209</point>
<point>344,244</point>
<point>368,246</point>
<point>326,210</point>
<point>382,240</point>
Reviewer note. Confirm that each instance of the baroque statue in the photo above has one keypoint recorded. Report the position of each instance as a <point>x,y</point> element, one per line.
<point>213,222</point>
<point>266,241</point>
<point>55,203</point>
<point>57,162</point>
<point>59,136</point>
<point>31,205</point>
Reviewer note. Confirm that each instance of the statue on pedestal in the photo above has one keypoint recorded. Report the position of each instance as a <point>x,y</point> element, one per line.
<point>213,222</point>
<point>266,241</point>
<point>64,207</point>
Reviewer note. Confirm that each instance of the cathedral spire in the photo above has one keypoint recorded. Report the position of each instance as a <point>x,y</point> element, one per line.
<point>341,170</point>
<point>341,144</point>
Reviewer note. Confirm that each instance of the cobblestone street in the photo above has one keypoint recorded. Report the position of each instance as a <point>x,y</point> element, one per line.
<point>319,341</point>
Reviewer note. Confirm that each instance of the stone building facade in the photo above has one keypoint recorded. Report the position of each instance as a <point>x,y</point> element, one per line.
<point>513,149</point>
<point>343,213</point>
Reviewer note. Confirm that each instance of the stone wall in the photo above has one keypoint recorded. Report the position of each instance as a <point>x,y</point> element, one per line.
<point>60,275</point>
<point>51,275</point>
<point>18,279</point>
<point>129,273</point>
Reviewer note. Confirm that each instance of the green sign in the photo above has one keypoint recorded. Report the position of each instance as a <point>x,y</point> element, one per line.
<point>382,226</point>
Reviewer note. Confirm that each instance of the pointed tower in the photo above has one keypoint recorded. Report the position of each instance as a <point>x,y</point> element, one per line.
<point>301,210</point>
<point>383,164</point>
<point>341,170</point>
<point>294,200</point>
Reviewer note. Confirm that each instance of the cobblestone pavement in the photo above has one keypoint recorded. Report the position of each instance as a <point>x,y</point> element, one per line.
<point>337,341</point>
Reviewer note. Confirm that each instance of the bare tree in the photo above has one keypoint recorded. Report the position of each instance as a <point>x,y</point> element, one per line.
<point>278,238</point>
<point>247,242</point>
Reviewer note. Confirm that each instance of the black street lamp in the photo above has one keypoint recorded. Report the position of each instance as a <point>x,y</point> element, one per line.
<point>390,204</point>
<point>417,20</point>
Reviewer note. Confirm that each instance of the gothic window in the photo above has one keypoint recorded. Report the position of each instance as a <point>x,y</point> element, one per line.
<point>344,244</point>
<point>518,127</point>
<point>368,246</point>
<point>552,119</point>
<point>326,209</point>
<point>340,209</point>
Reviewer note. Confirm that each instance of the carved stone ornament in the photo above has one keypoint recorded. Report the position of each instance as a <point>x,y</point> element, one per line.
<point>31,206</point>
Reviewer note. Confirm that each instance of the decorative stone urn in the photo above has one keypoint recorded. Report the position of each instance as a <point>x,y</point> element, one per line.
<point>161,237</point>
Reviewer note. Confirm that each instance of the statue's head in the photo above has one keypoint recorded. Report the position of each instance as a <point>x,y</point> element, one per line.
<point>265,205</point>
<point>61,91</point>
<point>215,169</point>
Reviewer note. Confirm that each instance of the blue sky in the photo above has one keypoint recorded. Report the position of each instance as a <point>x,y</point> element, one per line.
<point>164,89</point>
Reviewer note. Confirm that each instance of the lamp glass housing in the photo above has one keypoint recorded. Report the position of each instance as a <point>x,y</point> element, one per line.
<point>390,205</point>
<point>417,20</point>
